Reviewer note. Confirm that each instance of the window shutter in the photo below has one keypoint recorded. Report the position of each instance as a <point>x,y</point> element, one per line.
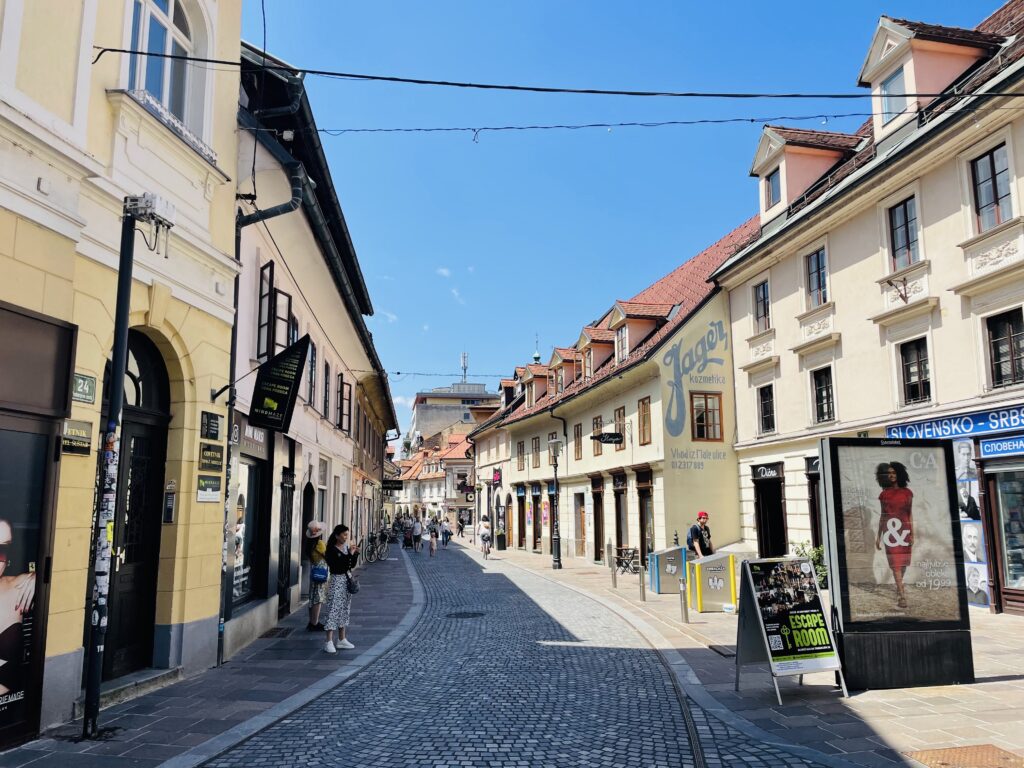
<point>346,417</point>
<point>280,330</point>
<point>265,319</point>
<point>341,401</point>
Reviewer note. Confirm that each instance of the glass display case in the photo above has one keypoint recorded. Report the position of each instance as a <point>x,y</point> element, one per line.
<point>1010,490</point>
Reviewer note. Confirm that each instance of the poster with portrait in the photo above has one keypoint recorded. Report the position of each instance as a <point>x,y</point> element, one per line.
<point>976,575</point>
<point>895,534</point>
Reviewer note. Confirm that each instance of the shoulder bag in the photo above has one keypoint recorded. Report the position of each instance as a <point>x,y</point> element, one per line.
<point>353,583</point>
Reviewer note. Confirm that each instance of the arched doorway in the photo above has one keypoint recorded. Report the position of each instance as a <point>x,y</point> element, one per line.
<point>135,555</point>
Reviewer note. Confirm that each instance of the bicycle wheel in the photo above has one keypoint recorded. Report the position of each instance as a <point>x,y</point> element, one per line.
<point>371,552</point>
<point>385,550</point>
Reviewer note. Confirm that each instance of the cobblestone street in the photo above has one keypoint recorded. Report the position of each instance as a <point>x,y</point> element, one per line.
<point>493,676</point>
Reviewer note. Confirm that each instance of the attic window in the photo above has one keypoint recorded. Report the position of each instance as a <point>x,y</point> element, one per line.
<point>894,96</point>
<point>621,343</point>
<point>588,363</point>
<point>772,189</point>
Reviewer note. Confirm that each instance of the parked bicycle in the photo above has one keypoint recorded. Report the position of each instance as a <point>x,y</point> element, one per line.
<point>376,547</point>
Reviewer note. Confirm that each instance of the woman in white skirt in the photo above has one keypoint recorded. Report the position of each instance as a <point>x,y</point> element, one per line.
<point>341,558</point>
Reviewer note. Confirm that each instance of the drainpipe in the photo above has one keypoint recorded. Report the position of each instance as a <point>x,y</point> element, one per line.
<point>297,174</point>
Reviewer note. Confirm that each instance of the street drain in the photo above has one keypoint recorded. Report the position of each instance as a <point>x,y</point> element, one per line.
<point>981,756</point>
<point>277,632</point>
<point>465,615</point>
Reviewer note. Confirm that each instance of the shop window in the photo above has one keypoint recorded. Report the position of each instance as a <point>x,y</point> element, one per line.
<point>1010,492</point>
<point>643,417</point>
<point>577,442</point>
<point>620,427</point>
<point>824,403</point>
<point>535,445</point>
<point>598,427</point>
<point>916,377</point>
<point>1006,347</point>
<point>766,408</point>
<point>249,554</point>
<point>706,415</point>
<point>990,180</point>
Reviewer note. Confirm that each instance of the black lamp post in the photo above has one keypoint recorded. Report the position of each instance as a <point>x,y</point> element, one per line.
<point>556,539</point>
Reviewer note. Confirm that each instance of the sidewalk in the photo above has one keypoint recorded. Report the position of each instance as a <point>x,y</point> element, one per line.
<point>877,728</point>
<point>190,721</point>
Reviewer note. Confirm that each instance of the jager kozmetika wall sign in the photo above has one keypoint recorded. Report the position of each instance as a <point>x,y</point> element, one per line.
<point>277,387</point>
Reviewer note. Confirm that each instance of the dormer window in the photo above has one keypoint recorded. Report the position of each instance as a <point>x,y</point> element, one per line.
<point>894,96</point>
<point>588,364</point>
<point>529,396</point>
<point>560,381</point>
<point>621,342</point>
<point>773,188</point>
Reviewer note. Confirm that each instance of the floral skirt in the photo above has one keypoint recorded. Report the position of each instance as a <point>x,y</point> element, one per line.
<point>317,592</point>
<point>339,602</point>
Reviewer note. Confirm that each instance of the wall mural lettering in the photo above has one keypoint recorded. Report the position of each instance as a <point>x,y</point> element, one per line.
<point>692,363</point>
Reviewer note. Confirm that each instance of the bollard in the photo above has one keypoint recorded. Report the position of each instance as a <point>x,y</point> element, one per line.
<point>683,610</point>
<point>611,564</point>
<point>643,572</point>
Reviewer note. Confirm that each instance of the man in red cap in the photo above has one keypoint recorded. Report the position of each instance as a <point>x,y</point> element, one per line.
<point>699,537</point>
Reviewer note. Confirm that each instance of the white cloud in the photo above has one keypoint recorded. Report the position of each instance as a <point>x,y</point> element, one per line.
<point>385,277</point>
<point>458,297</point>
<point>390,316</point>
<point>426,328</point>
<point>403,400</point>
<point>444,272</point>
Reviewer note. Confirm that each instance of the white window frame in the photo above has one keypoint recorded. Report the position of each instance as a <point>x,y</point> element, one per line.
<point>1002,136</point>
<point>885,235</point>
<point>805,277</point>
<point>621,342</point>
<point>588,363</point>
<point>888,117</point>
<point>770,202</point>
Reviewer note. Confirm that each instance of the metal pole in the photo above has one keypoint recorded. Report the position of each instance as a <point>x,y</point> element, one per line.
<point>643,572</point>
<point>683,610</point>
<point>556,539</point>
<point>103,533</point>
<point>611,563</point>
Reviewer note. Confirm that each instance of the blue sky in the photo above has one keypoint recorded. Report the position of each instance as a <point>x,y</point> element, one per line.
<point>478,246</point>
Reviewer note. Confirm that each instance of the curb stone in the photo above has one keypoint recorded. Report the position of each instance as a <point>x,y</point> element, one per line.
<point>234,736</point>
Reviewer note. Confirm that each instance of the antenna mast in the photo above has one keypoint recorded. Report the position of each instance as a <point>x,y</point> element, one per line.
<point>465,365</point>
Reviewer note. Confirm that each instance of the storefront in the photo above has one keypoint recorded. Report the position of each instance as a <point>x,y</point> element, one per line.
<point>533,512</point>
<point>36,354</point>
<point>770,509</point>
<point>520,517</point>
<point>251,514</point>
<point>645,503</point>
<point>988,452</point>
<point>597,494</point>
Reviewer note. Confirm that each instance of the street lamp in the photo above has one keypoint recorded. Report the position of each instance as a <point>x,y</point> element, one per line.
<point>556,539</point>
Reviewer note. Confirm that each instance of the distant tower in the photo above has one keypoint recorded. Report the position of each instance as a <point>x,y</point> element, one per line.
<point>465,365</point>
<point>536,348</point>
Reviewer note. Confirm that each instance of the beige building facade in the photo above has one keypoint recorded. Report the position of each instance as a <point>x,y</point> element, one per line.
<point>883,294</point>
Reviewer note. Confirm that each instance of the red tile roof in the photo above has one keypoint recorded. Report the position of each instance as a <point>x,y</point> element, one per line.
<point>536,369</point>
<point>457,447</point>
<point>508,382</point>
<point>802,137</point>
<point>954,35</point>
<point>600,335</point>
<point>567,353</point>
<point>645,310</point>
<point>687,286</point>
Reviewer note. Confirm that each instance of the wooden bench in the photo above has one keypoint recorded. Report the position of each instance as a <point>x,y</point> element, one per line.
<point>627,560</point>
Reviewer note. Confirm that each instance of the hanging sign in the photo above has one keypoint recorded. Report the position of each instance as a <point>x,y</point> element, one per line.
<point>392,485</point>
<point>76,438</point>
<point>782,620</point>
<point>277,387</point>
<point>608,438</point>
<point>211,457</point>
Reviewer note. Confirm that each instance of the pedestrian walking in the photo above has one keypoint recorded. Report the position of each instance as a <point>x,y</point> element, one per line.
<point>433,537</point>
<point>446,532</point>
<point>417,533</point>
<point>341,558</point>
<point>318,573</point>
<point>461,526</point>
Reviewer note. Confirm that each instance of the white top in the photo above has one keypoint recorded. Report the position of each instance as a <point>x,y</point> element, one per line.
<point>417,528</point>
<point>483,528</point>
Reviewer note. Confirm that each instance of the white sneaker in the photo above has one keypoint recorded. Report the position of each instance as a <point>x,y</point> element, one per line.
<point>329,647</point>
<point>345,644</point>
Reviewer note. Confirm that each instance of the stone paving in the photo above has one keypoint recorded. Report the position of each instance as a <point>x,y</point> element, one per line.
<point>168,723</point>
<point>505,668</point>
<point>870,728</point>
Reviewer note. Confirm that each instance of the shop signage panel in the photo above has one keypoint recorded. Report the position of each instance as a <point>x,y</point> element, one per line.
<point>209,426</point>
<point>211,457</point>
<point>208,488</point>
<point>1002,446</point>
<point>962,424</point>
<point>608,438</point>
<point>76,438</point>
<point>277,387</point>
<point>389,484</point>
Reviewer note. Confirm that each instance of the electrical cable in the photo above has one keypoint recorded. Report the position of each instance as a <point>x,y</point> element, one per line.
<point>544,89</point>
<point>263,83</point>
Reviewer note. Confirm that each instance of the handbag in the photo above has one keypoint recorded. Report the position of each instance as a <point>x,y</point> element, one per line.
<point>318,573</point>
<point>353,584</point>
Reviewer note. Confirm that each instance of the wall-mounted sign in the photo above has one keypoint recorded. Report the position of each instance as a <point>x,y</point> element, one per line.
<point>766,471</point>
<point>520,490</point>
<point>170,495</point>
<point>608,438</point>
<point>211,457</point>
<point>76,438</point>
<point>496,477</point>
<point>209,426</point>
<point>618,481</point>
<point>83,388</point>
<point>962,425</point>
<point>1001,446</point>
<point>277,387</point>
<point>253,441</point>
<point>392,485</point>
<point>208,488</point>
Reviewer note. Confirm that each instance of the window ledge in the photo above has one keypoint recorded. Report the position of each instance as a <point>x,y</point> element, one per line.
<point>991,391</point>
<point>906,311</point>
<point>761,364</point>
<point>1016,221</point>
<point>821,309</point>
<point>997,278</point>
<point>922,266</point>
<point>817,343</point>
<point>143,101</point>
<point>761,336</point>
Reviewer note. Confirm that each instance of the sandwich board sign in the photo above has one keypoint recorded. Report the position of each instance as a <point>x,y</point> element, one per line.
<point>782,621</point>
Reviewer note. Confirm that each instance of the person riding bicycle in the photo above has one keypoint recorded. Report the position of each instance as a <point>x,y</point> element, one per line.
<point>483,530</point>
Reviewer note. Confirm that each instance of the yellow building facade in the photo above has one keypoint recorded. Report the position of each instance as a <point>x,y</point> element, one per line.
<point>76,138</point>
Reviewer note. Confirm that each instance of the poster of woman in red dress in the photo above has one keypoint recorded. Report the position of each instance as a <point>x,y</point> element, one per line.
<point>896,524</point>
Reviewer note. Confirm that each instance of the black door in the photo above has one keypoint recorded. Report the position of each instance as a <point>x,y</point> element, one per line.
<point>771,519</point>
<point>599,542</point>
<point>646,525</point>
<point>621,535</point>
<point>521,530</point>
<point>136,552</point>
<point>284,557</point>
<point>536,523</point>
